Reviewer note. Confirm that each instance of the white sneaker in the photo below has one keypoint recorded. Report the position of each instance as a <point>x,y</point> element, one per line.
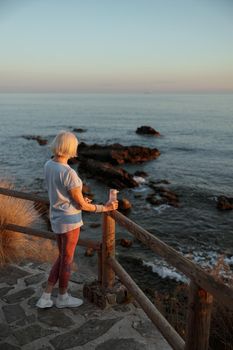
<point>43,303</point>
<point>68,301</point>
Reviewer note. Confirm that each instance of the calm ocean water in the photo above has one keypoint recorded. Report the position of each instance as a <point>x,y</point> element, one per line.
<point>196,157</point>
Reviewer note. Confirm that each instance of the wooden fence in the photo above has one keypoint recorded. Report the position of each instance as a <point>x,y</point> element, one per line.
<point>203,287</point>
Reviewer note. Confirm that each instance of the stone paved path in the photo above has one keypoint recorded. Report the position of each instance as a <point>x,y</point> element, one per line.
<point>23,326</point>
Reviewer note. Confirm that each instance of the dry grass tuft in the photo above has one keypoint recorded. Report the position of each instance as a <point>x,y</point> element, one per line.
<point>14,246</point>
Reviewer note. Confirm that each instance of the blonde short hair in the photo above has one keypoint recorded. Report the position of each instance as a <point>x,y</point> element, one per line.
<point>65,144</point>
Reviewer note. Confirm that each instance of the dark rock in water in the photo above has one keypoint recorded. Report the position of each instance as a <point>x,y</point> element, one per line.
<point>117,154</point>
<point>225,203</point>
<point>140,173</point>
<point>147,130</point>
<point>113,177</point>
<point>89,252</point>
<point>79,130</point>
<point>124,204</point>
<point>125,242</point>
<point>163,196</point>
<point>39,139</point>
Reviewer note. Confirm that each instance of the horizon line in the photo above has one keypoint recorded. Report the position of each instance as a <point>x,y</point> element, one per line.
<point>222,91</point>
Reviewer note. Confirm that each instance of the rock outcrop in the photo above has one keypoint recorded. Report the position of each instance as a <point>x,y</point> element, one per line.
<point>124,205</point>
<point>140,173</point>
<point>147,130</point>
<point>163,195</point>
<point>113,177</point>
<point>126,243</point>
<point>116,153</point>
<point>39,139</point>
<point>225,203</point>
<point>79,130</point>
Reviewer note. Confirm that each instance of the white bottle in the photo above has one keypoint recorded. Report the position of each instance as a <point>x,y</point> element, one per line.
<point>112,195</point>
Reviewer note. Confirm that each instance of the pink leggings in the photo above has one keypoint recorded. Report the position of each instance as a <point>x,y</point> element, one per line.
<point>61,269</point>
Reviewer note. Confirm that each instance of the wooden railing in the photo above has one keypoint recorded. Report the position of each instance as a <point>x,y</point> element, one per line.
<point>203,287</point>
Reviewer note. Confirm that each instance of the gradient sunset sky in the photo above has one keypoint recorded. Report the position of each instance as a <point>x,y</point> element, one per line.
<point>116,45</point>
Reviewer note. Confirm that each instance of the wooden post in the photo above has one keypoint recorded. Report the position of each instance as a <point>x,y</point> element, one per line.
<point>108,250</point>
<point>198,319</point>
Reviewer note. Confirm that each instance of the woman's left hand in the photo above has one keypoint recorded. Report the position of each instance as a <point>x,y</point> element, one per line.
<point>110,206</point>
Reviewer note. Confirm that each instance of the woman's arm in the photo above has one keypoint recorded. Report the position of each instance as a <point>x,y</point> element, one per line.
<point>77,196</point>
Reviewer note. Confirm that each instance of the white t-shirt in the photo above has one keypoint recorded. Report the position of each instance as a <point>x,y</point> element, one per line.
<point>65,215</point>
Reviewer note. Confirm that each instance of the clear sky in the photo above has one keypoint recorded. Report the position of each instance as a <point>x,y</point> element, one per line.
<point>116,45</point>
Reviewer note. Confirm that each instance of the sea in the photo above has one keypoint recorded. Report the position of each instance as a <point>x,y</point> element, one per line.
<point>196,158</point>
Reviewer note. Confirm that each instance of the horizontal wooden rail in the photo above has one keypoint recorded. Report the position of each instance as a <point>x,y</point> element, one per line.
<point>49,235</point>
<point>36,232</point>
<point>23,195</point>
<point>221,292</point>
<point>172,337</point>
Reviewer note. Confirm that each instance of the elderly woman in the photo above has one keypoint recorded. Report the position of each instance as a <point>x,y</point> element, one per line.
<point>66,204</point>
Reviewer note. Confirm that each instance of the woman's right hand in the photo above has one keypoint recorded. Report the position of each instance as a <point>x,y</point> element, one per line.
<point>110,206</point>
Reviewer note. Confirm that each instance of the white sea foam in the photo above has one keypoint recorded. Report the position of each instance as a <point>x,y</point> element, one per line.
<point>203,259</point>
<point>140,188</point>
<point>140,180</point>
<point>229,261</point>
<point>164,271</point>
<point>161,207</point>
<point>209,258</point>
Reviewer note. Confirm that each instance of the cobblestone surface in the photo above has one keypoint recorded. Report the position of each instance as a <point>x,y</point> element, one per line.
<point>25,327</point>
<point>121,344</point>
<point>13,313</point>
